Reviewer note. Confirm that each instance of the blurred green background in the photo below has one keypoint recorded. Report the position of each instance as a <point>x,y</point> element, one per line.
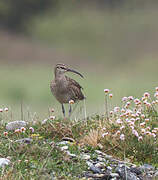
<point>113,43</point>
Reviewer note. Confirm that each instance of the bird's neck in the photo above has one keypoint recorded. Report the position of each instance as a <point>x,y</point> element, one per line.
<point>60,77</point>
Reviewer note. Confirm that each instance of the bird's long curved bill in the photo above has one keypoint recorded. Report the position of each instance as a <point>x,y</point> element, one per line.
<point>71,70</point>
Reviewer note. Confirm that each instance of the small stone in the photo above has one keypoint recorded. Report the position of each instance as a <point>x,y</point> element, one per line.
<point>85,156</point>
<point>136,170</point>
<point>125,173</point>
<point>63,148</point>
<point>89,163</point>
<point>15,125</point>
<point>24,140</point>
<point>113,175</point>
<point>156,174</point>
<point>70,154</point>
<point>109,168</point>
<point>90,175</point>
<point>68,139</point>
<point>100,159</point>
<point>62,143</point>
<point>99,164</point>
<point>93,168</point>
<point>3,162</point>
<point>146,167</point>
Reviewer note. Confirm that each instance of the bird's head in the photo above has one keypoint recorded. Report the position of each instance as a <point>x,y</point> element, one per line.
<point>62,68</point>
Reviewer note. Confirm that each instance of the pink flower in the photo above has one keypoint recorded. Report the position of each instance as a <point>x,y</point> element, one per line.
<point>156,94</point>
<point>130,98</point>
<point>142,124</point>
<point>110,95</point>
<point>142,116</point>
<point>146,94</point>
<point>17,130</point>
<point>135,132</point>
<point>106,91</point>
<point>156,89</point>
<point>31,129</point>
<point>52,117</point>
<point>140,138</point>
<point>118,121</point>
<point>5,133</point>
<point>23,129</point>
<point>111,112</point>
<point>122,127</point>
<point>146,120</point>
<point>1,110</point>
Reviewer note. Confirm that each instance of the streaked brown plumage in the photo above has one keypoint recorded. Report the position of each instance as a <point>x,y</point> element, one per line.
<point>64,88</point>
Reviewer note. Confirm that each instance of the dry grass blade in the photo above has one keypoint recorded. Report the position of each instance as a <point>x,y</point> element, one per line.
<point>92,138</point>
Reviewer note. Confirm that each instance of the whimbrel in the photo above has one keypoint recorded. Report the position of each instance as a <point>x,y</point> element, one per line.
<point>64,88</point>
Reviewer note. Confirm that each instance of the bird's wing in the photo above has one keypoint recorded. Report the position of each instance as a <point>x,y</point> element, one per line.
<point>75,89</point>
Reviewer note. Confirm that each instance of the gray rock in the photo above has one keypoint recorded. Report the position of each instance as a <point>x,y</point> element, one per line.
<point>24,140</point>
<point>100,159</point>
<point>113,175</point>
<point>11,126</point>
<point>136,170</point>
<point>125,173</point>
<point>146,167</point>
<point>70,154</point>
<point>100,176</point>
<point>109,168</point>
<point>64,148</point>
<point>93,167</point>
<point>62,143</point>
<point>156,174</point>
<point>4,162</point>
<point>68,139</point>
<point>100,165</point>
<point>85,156</point>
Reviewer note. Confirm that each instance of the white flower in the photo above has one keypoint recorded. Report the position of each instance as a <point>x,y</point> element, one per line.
<point>71,101</point>
<point>6,109</point>
<point>122,127</point>
<point>118,121</point>
<point>52,117</point>
<point>105,134</point>
<point>153,134</point>
<point>44,121</point>
<point>122,137</point>
<point>1,110</point>
<point>143,130</point>
<point>116,109</point>
<point>124,99</point>
<point>135,132</point>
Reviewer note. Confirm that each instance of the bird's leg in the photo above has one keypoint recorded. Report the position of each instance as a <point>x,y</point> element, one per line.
<point>70,110</point>
<point>63,110</point>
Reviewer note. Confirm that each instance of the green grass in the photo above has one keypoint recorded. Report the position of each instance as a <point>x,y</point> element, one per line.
<point>42,158</point>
